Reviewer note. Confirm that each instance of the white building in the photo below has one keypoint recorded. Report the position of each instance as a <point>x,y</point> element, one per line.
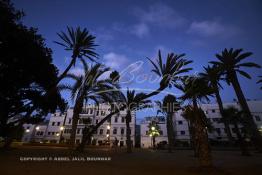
<point>59,127</point>
<point>213,114</point>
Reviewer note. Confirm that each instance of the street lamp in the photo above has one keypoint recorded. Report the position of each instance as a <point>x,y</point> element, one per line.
<point>62,128</point>
<point>107,135</point>
<point>108,126</point>
<point>153,128</point>
<point>57,134</point>
<point>27,130</point>
<point>37,128</point>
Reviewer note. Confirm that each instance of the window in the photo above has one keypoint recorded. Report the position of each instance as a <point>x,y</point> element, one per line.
<point>69,121</point>
<point>122,131</point>
<point>107,131</point>
<point>53,133</point>
<point>49,133</point>
<point>101,131</point>
<point>234,130</point>
<point>147,133</point>
<point>58,123</point>
<point>180,122</point>
<point>96,121</point>
<point>53,123</point>
<point>257,118</point>
<point>78,131</point>
<point>97,113</point>
<point>213,110</point>
<point>182,132</point>
<point>206,111</point>
<point>116,119</point>
<point>28,127</point>
<point>115,131</point>
<point>161,132</point>
<point>109,120</point>
<point>91,111</point>
<point>123,119</point>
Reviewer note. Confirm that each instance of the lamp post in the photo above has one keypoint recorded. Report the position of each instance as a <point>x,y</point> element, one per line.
<point>108,133</point>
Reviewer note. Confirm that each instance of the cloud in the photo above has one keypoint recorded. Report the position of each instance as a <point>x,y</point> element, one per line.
<point>161,15</point>
<point>114,60</point>
<point>211,28</point>
<point>77,71</point>
<point>140,30</point>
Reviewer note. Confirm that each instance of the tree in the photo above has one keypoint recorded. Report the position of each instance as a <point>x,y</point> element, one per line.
<point>153,131</point>
<point>196,89</point>
<point>260,81</point>
<point>80,42</point>
<point>133,102</point>
<point>87,87</point>
<point>168,72</point>
<point>213,76</point>
<point>230,63</point>
<point>27,71</point>
<point>234,116</point>
<point>169,106</point>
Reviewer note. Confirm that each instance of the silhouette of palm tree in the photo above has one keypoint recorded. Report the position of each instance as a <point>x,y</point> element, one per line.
<point>230,63</point>
<point>213,76</point>
<point>80,42</point>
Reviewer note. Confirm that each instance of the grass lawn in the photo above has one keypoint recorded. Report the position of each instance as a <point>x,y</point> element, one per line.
<point>146,162</point>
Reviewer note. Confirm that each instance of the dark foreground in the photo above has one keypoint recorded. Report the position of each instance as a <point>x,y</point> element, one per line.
<point>145,162</point>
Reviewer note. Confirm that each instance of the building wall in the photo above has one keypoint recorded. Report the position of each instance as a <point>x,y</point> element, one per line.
<point>59,126</point>
<point>213,114</point>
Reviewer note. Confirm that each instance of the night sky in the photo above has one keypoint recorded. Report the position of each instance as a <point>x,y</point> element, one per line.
<point>129,31</point>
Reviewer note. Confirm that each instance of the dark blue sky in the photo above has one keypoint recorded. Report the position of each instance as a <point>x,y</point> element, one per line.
<point>130,31</point>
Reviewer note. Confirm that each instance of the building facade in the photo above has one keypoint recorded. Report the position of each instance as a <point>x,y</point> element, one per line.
<point>59,126</point>
<point>212,112</point>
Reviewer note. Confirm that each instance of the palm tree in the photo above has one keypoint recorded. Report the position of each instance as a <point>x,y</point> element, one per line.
<point>234,116</point>
<point>230,63</point>
<point>189,115</point>
<point>88,87</point>
<point>213,75</point>
<point>80,42</point>
<point>133,102</point>
<point>260,81</point>
<point>153,131</point>
<point>169,107</point>
<point>168,71</point>
<point>197,89</point>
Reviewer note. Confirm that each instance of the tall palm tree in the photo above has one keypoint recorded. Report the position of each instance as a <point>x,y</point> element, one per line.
<point>189,114</point>
<point>230,63</point>
<point>80,42</point>
<point>169,106</point>
<point>88,87</point>
<point>133,102</point>
<point>234,116</point>
<point>213,75</point>
<point>197,89</point>
<point>260,81</point>
<point>168,71</point>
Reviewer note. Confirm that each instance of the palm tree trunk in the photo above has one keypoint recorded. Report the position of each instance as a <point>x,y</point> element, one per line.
<point>250,123</point>
<point>243,145</point>
<point>77,110</point>
<point>128,132</point>
<point>204,150</point>
<point>221,109</point>
<point>170,132</point>
<point>73,60</point>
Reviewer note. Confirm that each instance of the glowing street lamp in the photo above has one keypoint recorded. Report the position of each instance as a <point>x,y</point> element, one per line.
<point>27,130</point>
<point>153,128</point>
<point>62,128</point>
<point>108,127</point>
<point>107,135</point>
<point>57,134</point>
<point>37,128</point>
